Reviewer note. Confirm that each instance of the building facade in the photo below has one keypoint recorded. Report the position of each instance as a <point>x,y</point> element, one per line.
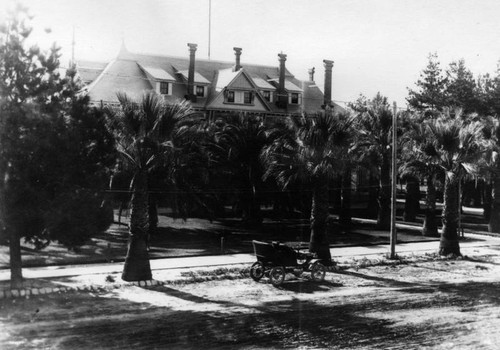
<point>213,87</point>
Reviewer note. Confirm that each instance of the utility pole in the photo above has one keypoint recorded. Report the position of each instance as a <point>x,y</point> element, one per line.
<point>393,237</point>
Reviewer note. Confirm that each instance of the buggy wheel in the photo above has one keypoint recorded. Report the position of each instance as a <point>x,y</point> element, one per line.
<point>257,271</point>
<point>318,271</point>
<point>277,275</point>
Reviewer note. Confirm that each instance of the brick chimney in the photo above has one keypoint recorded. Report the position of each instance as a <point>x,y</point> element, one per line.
<point>282,95</point>
<point>328,82</point>
<point>237,53</point>
<point>311,74</point>
<point>190,87</point>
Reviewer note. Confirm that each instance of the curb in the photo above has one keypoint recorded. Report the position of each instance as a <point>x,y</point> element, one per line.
<point>26,292</point>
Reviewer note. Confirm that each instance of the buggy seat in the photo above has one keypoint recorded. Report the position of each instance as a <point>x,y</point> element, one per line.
<point>274,253</point>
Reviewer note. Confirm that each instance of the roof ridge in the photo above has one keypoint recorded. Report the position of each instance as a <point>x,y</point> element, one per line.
<point>202,59</point>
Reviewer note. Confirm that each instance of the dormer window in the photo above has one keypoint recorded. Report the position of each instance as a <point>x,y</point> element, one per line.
<point>295,98</point>
<point>200,91</point>
<point>230,96</point>
<point>268,96</point>
<point>164,88</point>
<point>239,97</point>
<point>160,79</point>
<point>247,97</point>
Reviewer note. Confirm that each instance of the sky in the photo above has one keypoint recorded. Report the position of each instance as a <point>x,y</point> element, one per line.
<point>377,45</point>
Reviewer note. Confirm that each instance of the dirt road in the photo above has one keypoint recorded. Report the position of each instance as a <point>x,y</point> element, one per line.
<point>436,304</point>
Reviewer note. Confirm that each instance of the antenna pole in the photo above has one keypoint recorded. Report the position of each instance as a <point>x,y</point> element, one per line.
<point>73,48</point>
<point>209,25</point>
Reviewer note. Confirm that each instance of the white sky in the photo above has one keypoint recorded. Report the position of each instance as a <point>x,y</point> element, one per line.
<point>379,45</point>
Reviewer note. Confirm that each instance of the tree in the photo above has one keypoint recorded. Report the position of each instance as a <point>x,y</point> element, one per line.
<point>430,92</point>
<point>240,142</point>
<point>349,161</point>
<point>492,167</point>
<point>54,151</point>
<point>417,152</point>
<point>489,93</point>
<point>312,154</point>
<point>461,89</point>
<point>143,134</point>
<point>238,145</point>
<point>457,147</point>
<point>375,128</point>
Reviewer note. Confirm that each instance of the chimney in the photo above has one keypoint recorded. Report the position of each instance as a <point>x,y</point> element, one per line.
<point>282,95</point>
<point>190,88</point>
<point>328,82</point>
<point>237,53</point>
<point>311,74</point>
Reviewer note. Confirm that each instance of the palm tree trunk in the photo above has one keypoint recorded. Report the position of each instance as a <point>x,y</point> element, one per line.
<point>412,199</point>
<point>345,210</point>
<point>449,236</point>
<point>494,223</point>
<point>373,189</point>
<point>16,266</point>
<point>384,199</point>
<point>319,214</point>
<point>337,193</point>
<point>478,192</point>
<point>137,267</point>
<point>153,214</point>
<point>16,271</point>
<point>430,227</point>
<point>252,213</point>
<point>488,200</point>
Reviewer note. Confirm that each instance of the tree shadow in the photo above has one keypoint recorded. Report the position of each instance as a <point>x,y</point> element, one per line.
<point>386,281</point>
<point>111,321</point>
<point>307,286</point>
<point>477,292</point>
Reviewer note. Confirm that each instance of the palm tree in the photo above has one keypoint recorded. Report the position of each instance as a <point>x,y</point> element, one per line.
<point>492,165</point>
<point>143,131</point>
<point>375,127</point>
<point>350,160</point>
<point>417,153</point>
<point>237,148</point>
<point>457,147</point>
<point>312,154</point>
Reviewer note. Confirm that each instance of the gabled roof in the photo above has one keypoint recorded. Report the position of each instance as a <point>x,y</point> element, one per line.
<point>158,73</point>
<point>262,84</point>
<point>291,87</point>
<point>131,73</point>
<point>224,78</point>
<point>198,78</point>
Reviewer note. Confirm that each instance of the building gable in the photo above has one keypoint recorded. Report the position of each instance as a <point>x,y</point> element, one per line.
<point>241,81</point>
<point>237,91</point>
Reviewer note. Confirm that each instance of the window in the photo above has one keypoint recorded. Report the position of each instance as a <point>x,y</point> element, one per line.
<point>163,88</point>
<point>295,98</point>
<point>230,96</point>
<point>200,91</point>
<point>267,95</point>
<point>247,97</point>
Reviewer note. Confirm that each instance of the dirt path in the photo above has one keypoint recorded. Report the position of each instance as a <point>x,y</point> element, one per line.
<point>439,304</point>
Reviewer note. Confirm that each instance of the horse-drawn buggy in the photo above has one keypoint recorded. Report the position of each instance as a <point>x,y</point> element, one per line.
<point>276,259</point>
